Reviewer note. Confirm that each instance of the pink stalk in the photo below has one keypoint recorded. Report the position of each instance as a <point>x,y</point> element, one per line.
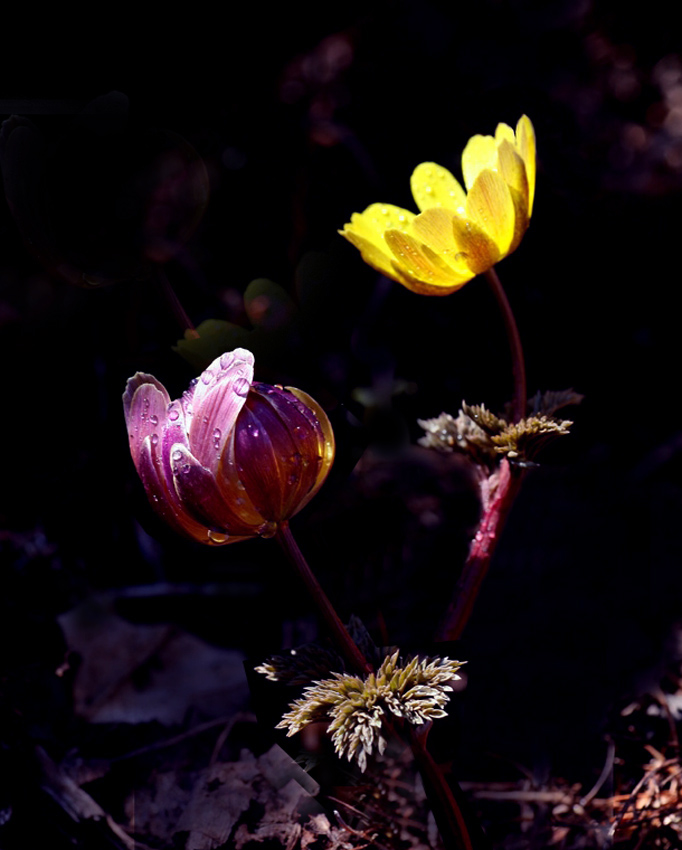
<point>481,551</point>
<point>499,490</point>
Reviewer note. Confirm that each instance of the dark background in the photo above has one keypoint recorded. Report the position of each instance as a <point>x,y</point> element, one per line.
<point>302,118</point>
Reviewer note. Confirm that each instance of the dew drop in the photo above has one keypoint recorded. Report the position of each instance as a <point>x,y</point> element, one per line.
<point>173,413</point>
<point>193,383</point>
<point>255,432</point>
<point>154,419</point>
<point>217,536</point>
<point>206,376</point>
<point>155,439</point>
<point>186,468</point>
<point>226,360</point>
<point>268,529</point>
<point>242,386</point>
<point>177,455</point>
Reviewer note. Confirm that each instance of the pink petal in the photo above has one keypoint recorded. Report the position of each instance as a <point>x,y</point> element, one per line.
<point>218,397</point>
<point>145,405</point>
<point>198,492</point>
<point>163,498</point>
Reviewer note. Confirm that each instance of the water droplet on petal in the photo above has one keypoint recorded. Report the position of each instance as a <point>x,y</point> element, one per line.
<point>226,360</point>
<point>155,439</point>
<point>186,468</point>
<point>206,376</point>
<point>217,536</point>
<point>242,386</point>
<point>154,419</point>
<point>255,432</point>
<point>173,413</point>
<point>268,529</point>
<point>177,455</point>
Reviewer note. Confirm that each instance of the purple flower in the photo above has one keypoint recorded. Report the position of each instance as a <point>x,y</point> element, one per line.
<point>232,458</point>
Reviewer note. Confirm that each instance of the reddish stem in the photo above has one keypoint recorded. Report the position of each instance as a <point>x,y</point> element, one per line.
<point>449,818</point>
<point>518,363</point>
<point>346,645</point>
<point>481,551</point>
<point>446,810</point>
<point>177,309</point>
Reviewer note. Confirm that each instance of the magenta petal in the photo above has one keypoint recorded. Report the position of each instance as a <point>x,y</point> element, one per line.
<point>199,493</point>
<point>145,404</point>
<point>162,495</point>
<point>219,396</point>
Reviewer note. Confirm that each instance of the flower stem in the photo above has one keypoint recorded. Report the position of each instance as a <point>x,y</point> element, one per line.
<point>449,818</point>
<point>481,550</point>
<point>177,309</point>
<point>344,642</point>
<point>518,363</point>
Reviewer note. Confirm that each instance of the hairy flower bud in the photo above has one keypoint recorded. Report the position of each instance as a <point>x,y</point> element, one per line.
<point>232,458</point>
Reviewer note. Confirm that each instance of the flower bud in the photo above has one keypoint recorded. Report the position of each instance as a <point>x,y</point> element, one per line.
<point>232,458</point>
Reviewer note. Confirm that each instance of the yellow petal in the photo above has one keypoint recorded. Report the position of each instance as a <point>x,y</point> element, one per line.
<point>477,249</point>
<point>375,257</point>
<point>434,229</point>
<point>525,142</point>
<point>434,186</point>
<point>503,132</point>
<point>490,206</point>
<point>422,288</point>
<point>512,168</point>
<point>377,219</point>
<point>479,154</point>
<point>513,171</point>
<point>420,262</point>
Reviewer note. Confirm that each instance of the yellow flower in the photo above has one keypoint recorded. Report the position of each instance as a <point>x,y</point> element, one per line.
<point>457,234</point>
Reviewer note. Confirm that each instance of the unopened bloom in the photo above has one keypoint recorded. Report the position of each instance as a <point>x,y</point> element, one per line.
<point>231,458</point>
<point>457,234</point>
